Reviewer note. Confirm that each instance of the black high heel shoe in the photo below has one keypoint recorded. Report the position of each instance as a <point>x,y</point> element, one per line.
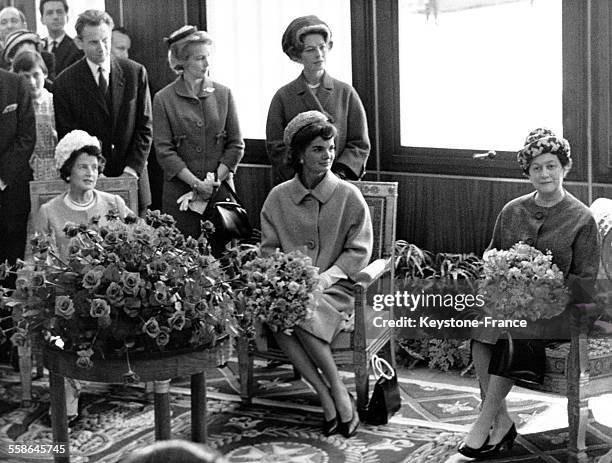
<point>349,428</point>
<point>477,454</point>
<point>330,426</point>
<point>507,441</point>
<point>489,450</point>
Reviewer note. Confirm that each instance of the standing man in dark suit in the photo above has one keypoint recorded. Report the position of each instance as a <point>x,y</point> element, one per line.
<point>17,140</point>
<point>54,15</point>
<point>109,98</point>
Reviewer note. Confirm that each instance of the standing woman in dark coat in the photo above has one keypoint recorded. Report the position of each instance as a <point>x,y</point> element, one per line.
<point>307,41</point>
<point>195,128</point>
<point>548,219</point>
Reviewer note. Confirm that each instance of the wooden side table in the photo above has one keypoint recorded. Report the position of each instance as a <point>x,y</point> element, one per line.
<point>160,370</point>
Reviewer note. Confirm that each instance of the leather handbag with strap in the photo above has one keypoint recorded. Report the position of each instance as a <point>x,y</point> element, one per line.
<point>385,400</point>
<point>226,213</point>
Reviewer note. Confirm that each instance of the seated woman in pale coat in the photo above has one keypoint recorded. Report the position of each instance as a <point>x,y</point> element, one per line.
<point>79,159</point>
<point>327,219</point>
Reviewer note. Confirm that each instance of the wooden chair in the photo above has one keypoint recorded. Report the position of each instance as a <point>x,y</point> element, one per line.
<point>577,370</point>
<point>357,348</point>
<point>42,191</point>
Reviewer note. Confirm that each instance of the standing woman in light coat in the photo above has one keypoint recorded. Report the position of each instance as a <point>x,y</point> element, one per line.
<point>195,128</point>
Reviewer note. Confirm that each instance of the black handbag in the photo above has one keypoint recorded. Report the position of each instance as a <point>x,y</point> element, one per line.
<point>226,213</point>
<point>523,360</point>
<point>385,400</point>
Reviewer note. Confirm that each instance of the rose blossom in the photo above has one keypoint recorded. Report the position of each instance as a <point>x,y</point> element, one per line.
<point>177,321</point>
<point>114,293</point>
<point>64,306</point>
<point>163,337</point>
<point>92,279</point>
<point>151,328</point>
<point>131,281</point>
<point>99,308</point>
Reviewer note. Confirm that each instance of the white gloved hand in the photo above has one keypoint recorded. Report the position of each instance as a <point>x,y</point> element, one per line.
<point>325,281</point>
<point>184,200</point>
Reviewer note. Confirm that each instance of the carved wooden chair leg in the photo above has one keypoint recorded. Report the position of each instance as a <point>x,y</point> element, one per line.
<point>245,369</point>
<point>577,403</point>
<point>361,386</point>
<point>25,372</point>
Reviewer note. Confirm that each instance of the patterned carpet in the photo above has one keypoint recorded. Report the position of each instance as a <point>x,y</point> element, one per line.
<point>282,424</point>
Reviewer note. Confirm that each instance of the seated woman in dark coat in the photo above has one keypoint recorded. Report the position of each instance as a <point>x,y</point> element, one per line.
<point>552,219</point>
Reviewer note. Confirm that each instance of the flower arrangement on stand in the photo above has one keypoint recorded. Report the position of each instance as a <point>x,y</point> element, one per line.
<point>128,286</point>
<point>522,283</point>
<point>279,289</point>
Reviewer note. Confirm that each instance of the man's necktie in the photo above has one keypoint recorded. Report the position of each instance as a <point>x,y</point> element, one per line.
<point>102,83</point>
<point>53,46</point>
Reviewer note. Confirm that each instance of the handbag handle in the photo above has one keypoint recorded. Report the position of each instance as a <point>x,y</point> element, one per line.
<point>238,200</point>
<point>377,367</point>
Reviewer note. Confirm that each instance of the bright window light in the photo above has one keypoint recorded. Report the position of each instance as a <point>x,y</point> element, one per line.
<point>481,75</point>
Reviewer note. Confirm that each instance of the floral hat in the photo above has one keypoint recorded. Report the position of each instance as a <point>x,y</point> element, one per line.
<point>299,122</point>
<point>541,141</point>
<point>292,38</point>
<point>71,142</point>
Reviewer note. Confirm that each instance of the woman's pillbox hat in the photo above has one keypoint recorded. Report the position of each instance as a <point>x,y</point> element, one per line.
<point>299,122</point>
<point>180,34</point>
<point>292,38</point>
<point>16,38</point>
<point>71,142</point>
<point>541,141</point>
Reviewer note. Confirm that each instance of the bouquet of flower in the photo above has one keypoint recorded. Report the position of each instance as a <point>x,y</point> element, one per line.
<point>522,283</point>
<point>130,284</point>
<point>280,289</point>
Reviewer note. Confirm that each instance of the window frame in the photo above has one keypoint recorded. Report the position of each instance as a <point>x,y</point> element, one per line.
<point>459,161</point>
<point>375,58</point>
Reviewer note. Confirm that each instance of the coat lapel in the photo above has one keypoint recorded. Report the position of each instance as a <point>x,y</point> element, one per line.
<point>118,86</point>
<point>310,100</point>
<point>325,91</point>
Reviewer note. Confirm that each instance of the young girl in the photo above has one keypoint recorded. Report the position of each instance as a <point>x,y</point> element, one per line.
<point>31,65</point>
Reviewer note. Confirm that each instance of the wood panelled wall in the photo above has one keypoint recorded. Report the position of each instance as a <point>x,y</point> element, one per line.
<point>439,213</point>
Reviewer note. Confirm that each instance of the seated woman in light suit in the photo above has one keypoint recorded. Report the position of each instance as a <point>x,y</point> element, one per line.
<point>327,219</point>
<point>78,157</point>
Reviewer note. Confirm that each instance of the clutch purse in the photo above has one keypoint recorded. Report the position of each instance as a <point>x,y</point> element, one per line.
<point>523,360</point>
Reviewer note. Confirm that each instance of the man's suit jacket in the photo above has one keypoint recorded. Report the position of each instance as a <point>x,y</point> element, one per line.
<point>17,140</point>
<point>125,129</point>
<point>66,53</point>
